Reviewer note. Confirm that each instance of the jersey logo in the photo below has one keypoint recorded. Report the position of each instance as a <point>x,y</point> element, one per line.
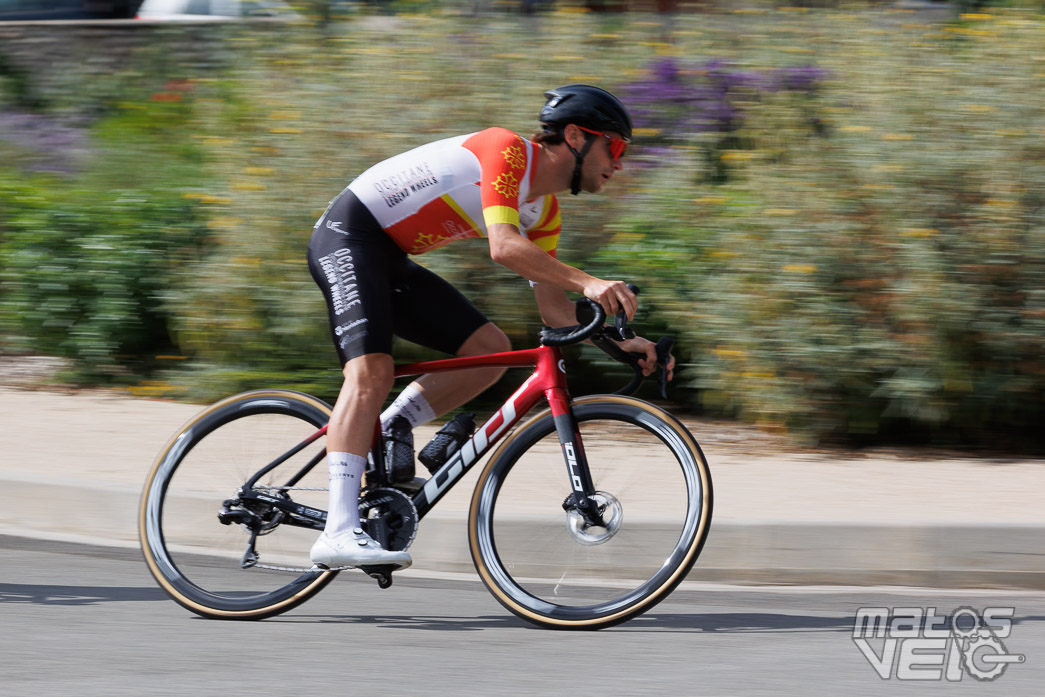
<point>507,184</point>
<point>514,156</point>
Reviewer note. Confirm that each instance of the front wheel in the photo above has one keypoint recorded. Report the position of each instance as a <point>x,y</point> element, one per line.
<point>544,563</point>
<point>215,545</point>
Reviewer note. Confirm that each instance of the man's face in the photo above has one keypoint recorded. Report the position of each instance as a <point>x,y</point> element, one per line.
<point>599,165</point>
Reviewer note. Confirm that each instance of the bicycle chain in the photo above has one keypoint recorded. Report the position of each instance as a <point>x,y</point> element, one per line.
<point>295,569</point>
<point>300,570</point>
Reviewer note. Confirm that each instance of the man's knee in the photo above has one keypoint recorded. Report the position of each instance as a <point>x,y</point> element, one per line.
<point>370,376</point>
<point>486,339</point>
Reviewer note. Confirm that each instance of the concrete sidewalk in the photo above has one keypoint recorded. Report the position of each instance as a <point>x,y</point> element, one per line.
<point>72,466</point>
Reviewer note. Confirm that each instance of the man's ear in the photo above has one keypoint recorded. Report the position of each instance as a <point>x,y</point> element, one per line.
<point>574,136</point>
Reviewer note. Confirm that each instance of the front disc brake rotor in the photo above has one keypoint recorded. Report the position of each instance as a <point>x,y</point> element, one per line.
<point>611,512</point>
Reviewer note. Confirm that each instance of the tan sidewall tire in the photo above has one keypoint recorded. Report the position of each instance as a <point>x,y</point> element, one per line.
<point>656,595</point>
<point>147,504</point>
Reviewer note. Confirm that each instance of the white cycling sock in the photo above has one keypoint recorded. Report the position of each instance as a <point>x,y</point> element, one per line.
<point>346,476</point>
<point>411,405</point>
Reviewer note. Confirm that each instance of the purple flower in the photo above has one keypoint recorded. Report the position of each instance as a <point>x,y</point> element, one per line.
<point>806,78</point>
<point>679,99</point>
<point>54,146</point>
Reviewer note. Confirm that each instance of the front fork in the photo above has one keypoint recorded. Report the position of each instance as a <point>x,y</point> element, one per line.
<point>581,499</point>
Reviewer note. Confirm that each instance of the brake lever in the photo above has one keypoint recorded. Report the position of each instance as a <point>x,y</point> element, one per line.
<point>620,322</point>
<point>664,346</point>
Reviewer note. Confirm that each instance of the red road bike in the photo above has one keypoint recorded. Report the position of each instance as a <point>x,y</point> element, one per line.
<point>584,516</point>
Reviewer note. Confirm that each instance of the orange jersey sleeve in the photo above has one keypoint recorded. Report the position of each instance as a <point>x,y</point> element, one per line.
<point>504,162</point>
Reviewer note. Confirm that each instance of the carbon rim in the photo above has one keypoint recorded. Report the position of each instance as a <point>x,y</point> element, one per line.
<point>198,573</point>
<point>512,584</point>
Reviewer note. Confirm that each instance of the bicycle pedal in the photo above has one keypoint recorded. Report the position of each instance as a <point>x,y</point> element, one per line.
<point>382,573</point>
<point>324,568</point>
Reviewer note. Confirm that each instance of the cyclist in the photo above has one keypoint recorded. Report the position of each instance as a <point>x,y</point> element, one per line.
<point>492,184</point>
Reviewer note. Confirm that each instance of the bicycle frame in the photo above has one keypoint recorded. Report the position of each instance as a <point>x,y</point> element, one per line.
<point>547,382</point>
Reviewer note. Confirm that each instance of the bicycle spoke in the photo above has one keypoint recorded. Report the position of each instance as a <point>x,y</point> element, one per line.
<point>216,550</point>
<point>546,562</point>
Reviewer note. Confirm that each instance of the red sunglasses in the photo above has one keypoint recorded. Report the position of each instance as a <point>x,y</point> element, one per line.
<point>618,146</point>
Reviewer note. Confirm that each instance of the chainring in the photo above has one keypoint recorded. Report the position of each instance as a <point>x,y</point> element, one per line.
<point>390,517</point>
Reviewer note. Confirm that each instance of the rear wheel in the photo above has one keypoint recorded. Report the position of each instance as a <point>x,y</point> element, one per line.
<point>195,525</point>
<point>545,563</point>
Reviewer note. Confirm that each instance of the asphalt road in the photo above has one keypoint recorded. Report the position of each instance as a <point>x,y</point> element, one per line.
<point>80,620</point>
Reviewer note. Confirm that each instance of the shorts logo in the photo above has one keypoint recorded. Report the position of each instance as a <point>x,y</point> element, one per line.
<point>335,225</point>
<point>340,273</point>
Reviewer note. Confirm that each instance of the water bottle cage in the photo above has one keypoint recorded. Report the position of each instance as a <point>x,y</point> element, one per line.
<point>447,441</point>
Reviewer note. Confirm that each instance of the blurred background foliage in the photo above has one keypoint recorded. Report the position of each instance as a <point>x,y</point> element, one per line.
<point>839,210</point>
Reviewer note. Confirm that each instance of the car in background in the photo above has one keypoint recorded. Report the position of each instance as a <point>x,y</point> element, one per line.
<point>190,10</point>
<point>24,10</point>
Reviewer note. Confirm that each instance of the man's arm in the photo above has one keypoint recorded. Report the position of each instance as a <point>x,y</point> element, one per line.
<point>510,249</point>
<point>556,310</point>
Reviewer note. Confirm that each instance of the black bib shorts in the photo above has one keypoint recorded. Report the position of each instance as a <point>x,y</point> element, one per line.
<point>373,290</point>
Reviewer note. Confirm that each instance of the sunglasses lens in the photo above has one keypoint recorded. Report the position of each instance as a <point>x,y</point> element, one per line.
<point>617,145</point>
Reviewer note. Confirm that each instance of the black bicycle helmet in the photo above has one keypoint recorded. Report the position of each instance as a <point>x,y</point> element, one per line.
<point>588,106</point>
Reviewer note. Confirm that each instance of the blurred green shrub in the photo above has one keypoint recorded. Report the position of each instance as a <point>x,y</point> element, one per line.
<point>90,245</point>
<point>874,277</point>
<point>840,213</point>
<point>84,277</point>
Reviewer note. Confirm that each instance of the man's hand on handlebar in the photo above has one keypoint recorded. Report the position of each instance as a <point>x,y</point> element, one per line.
<point>614,296</point>
<point>649,363</point>
<point>617,340</point>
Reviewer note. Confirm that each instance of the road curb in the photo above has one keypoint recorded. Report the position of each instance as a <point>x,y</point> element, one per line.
<point>746,552</point>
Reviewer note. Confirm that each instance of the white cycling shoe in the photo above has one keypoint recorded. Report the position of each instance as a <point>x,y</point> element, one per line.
<point>353,548</point>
